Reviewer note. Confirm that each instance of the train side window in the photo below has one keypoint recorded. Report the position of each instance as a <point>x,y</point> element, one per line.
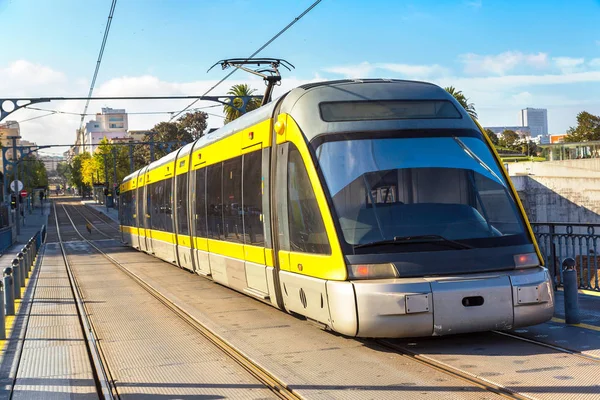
<point>201,203</point>
<point>132,208</point>
<point>306,228</point>
<point>168,205</point>
<point>182,205</point>
<point>214,202</point>
<point>232,200</point>
<point>157,191</point>
<point>252,199</point>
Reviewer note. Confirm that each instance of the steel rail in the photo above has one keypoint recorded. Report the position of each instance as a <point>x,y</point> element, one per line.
<point>102,378</point>
<point>547,345</point>
<point>453,371</point>
<point>279,388</point>
<point>103,218</point>
<point>92,225</point>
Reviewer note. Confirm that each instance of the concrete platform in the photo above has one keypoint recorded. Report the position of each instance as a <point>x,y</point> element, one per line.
<point>54,362</point>
<point>583,338</point>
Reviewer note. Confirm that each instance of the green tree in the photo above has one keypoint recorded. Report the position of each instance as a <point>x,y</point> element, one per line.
<point>185,130</point>
<point>63,171</point>
<point>509,139</point>
<point>240,90</point>
<point>460,97</point>
<point>493,137</point>
<point>77,172</point>
<point>193,124</point>
<point>587,129</point>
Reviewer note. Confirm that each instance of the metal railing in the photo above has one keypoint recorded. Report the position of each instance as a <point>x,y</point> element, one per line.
<point>15,276</point>
<point>579,241</point>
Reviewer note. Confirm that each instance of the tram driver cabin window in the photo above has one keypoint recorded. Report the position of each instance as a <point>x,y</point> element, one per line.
<point>306,228</point>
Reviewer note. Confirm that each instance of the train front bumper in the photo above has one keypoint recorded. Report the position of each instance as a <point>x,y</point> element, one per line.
<point>440,306</point>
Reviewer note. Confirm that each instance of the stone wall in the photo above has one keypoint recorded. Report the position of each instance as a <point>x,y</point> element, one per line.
<point>559,199</point>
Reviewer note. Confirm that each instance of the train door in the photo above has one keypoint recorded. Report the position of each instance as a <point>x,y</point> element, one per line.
<point>146,214</point>
<point>308,253</point>
<point>135,237</point>
<point>183,237</point>
<point>141,212</point>
<point>199,220</point>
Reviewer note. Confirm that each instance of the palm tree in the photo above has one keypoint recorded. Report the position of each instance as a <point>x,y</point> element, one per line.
<point>239,91</point>
<point>460,97</point>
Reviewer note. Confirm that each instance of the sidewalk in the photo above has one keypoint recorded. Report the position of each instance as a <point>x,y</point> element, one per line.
<point>112,213</point>
<point>582,338</point>
<point>30,225</point>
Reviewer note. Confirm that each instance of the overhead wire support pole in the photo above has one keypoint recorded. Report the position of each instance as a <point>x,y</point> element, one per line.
<point>114,189</point>
<point>15,158</point>
<point>9,105</point>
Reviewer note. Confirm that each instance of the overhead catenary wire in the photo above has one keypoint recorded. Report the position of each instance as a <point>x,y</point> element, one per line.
<point>261,48</point>
<point>53,112</point>
<point>102,47</point>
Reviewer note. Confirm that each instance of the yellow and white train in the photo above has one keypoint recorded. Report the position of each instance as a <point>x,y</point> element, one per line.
<point>377,208</point>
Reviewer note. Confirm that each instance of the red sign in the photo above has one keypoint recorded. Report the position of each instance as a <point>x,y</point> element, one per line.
<point>23,193</point>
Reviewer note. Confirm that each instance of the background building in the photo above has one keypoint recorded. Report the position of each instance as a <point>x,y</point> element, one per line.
<point>110,123</point>
<point>536,119</point>
<point>9,128</point>
<point>51,161</point>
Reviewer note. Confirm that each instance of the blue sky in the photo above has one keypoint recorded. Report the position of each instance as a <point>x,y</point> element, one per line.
<point>505,55</point>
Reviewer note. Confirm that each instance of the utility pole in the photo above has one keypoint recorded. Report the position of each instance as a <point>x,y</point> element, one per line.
<point>18,195</point>
<point>106,182</point>
<point>151,134</point>
<point>131,166</point>
<point>114,189</point>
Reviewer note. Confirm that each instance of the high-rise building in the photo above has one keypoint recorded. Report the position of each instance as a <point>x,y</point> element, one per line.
<point>536,119</point>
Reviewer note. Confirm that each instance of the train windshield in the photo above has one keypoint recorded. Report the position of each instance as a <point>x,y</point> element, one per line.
<point>390,189</point>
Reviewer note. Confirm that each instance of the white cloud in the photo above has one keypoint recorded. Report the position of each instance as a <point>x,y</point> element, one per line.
<point>568,64</point>
<point>361,70</point>
<point>415,71</point>
<point>594,63</point>
<point>474,3</point>
<point>502,63</point>
<point>408,71</point>
<point>30,80</point>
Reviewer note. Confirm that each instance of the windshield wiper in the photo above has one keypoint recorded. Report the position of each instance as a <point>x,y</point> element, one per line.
<point>417,239</point>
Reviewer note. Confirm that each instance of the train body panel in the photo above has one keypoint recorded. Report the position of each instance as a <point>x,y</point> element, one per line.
<point>375,208</point>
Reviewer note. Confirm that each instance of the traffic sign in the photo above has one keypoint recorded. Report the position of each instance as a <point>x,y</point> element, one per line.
<point>23,193</point>
<point>18,184</point>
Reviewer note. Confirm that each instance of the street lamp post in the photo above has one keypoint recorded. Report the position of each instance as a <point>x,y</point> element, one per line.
<point>15,160</point>
<point>106,182</point>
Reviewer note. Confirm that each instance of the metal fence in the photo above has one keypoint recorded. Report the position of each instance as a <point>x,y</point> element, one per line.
<point>558,241</point>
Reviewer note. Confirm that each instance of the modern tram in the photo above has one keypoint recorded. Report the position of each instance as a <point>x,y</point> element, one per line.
<point>375,208</point>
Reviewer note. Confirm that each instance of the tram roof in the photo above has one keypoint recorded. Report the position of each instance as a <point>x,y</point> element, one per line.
<point>303,104</point>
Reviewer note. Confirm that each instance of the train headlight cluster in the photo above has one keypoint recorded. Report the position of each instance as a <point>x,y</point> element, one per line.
<point>527,260</point>
<point>372,271</point>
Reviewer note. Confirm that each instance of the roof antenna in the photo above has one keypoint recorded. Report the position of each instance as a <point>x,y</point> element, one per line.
<point>270,74</point>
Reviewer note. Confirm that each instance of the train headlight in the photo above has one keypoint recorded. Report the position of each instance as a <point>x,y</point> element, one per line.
<point>372,271</point>
<point>528,260</point>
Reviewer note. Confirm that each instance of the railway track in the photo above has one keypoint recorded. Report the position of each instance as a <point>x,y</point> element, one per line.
<point>103,381</point>
<point>62,213</point>
<point>78,217</point>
